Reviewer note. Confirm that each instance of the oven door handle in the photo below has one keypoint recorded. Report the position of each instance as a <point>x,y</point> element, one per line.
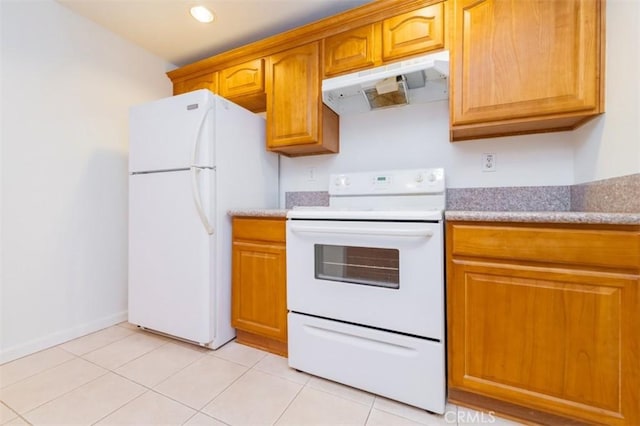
<point>389,232</point>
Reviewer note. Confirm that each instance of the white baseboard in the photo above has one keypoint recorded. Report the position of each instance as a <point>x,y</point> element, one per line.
<point>59,337</point>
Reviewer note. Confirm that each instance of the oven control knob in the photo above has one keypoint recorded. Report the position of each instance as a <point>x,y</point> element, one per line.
<point>419,177</point>
<point>432,177</point>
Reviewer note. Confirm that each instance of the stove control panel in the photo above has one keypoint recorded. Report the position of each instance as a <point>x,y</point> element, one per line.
<point>389,182</point>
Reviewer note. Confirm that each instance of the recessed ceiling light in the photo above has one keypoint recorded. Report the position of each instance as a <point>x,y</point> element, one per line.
<point>202,14</point>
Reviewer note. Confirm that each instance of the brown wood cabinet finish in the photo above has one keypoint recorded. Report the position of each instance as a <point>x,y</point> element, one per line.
<point>413,33</point>
<point>298,123</point>
<point>317,132</point>
<point>525,66</point>
<point>204,81</point>
<point>395,38</point>
<point>546,317</point>
<point>366,14</point>
<point>244,85</point>
<point>353,50</point>
<point>259,311</point>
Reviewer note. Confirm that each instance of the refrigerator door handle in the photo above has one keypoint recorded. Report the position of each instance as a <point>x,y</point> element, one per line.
<point>194,158</point>
<point>195,189</point>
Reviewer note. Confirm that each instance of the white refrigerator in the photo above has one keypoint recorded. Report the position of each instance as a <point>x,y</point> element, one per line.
<point>192,157</point>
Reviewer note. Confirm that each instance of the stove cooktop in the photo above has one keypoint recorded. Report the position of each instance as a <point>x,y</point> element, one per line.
<point>332,213</point>
<point>402,195</point>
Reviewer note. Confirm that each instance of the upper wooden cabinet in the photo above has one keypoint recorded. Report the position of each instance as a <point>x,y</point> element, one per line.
<point>244,84</point>
<point>353,50</point>
<point>203,81</point>
<point>414,32</point>
<point>525,66</point>
<point>401,36</point>
<point>298,123</point>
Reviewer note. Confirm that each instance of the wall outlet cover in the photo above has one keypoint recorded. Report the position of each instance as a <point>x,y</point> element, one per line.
<point>489,162</point>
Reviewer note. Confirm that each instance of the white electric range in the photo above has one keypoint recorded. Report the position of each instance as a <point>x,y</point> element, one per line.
<point>365,285</point>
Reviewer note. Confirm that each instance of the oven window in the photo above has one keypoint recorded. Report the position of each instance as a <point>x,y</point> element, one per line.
<point>358,265</point>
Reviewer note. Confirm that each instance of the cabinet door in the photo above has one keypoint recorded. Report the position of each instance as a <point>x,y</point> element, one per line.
<point>525,59</point>
<point>297,122</point>
<point>560,340</point>
<point>414,32</point>
<point>259,290</point>
<point>205,81</point>
<point>294,97</point>
<point>352,50</point>
<point>243,79</point>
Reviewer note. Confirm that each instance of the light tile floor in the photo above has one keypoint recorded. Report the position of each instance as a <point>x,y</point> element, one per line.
<point>122,375</point>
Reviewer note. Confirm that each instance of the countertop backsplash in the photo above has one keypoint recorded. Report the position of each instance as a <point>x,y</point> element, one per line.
<point>615,195</point>
<point>306,199</point>
<point>526,198</point>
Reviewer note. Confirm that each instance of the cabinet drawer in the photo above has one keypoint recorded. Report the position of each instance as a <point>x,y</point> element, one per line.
<point>261,229</point>
<point>596,247</point>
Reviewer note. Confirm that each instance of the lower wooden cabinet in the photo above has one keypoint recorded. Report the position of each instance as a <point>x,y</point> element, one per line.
<point>545,320</point>
<point>259,275</point>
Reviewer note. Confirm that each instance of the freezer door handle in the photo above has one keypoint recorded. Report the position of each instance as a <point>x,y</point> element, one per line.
<point>194,157</point>
<point>195,189</point>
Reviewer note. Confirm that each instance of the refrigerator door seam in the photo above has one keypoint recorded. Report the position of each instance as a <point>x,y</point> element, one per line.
<point>146,172</point>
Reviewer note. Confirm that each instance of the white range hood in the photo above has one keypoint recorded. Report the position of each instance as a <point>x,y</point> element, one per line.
<point>417,80</point>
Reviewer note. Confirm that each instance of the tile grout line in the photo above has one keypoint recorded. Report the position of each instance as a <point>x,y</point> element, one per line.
<point>99,347</point>
<point>148,388</point>
<point>305,385</point>
<point>281,377</point>
<point>13,411</point>
<point>107,371</point>
<point>289,404</point>
<point>69,391</point>
<point>340,396</point>
<point>39,372</point>
<point>230,384</point>
<point>199,410</point>
<point>131,360</point>
<point>42,372</point>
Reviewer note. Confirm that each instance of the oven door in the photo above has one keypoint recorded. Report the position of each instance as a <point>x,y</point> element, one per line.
<point>387,275</point>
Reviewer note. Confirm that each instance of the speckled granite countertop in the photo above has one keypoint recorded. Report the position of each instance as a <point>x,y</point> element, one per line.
<point>496,216</point>
<point>258,212</point>
<point>546,217</point>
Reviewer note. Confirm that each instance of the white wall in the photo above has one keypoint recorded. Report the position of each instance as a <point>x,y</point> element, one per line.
<point>417,135</point>
<point>1,174</point>
<point>66,88</point>
<point>610,145</point>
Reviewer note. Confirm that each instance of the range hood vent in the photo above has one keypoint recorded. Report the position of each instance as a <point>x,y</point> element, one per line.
<point>417,80</point>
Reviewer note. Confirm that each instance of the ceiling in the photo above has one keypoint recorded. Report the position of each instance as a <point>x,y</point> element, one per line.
<point>165,27</point>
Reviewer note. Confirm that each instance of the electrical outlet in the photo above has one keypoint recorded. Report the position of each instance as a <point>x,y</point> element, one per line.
<point>488,162</point>
<point>311,174</point>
